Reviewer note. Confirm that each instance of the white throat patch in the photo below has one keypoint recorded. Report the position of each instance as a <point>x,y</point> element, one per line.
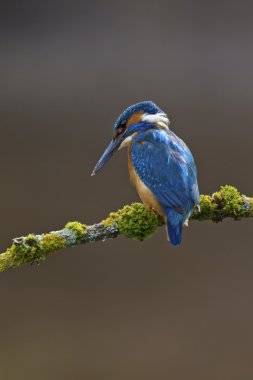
<point>126,142</point>
<point>159,118</point>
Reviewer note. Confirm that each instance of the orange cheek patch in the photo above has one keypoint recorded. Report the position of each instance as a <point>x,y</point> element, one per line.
<point>135,118</point>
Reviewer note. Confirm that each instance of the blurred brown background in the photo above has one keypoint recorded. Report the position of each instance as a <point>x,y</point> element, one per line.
<point>123,309</point>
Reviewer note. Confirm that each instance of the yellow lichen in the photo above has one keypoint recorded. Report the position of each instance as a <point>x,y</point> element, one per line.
<point>51,242</point>
<point>77,228</point>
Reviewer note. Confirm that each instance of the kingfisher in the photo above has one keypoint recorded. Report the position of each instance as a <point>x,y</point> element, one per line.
<point>161,166</point>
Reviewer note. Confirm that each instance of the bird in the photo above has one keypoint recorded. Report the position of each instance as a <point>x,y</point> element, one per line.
<point>161,166</point>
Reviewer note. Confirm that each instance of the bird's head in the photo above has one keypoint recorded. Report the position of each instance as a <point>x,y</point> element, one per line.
<point>136,118</point>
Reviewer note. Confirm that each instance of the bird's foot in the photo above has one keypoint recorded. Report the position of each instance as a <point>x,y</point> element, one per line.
<point>150,208</point>
<point>161,220</point>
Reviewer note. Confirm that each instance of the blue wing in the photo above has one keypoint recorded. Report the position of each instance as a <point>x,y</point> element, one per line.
<point>166,166</point>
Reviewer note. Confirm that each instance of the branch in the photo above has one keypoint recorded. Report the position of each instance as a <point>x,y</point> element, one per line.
<point>134,221</point>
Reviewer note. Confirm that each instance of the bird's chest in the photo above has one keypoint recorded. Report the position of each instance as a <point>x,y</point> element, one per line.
<point>144,192</point>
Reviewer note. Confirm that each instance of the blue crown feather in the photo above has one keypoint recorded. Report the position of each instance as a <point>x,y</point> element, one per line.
<point>147,106</point>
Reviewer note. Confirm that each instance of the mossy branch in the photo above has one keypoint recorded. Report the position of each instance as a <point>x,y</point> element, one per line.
<point>133,221</point>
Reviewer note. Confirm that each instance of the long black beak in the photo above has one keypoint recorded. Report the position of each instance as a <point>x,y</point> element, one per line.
<point>110,150</point>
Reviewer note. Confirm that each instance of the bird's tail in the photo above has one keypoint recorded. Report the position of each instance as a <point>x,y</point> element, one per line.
<point>175,233</point>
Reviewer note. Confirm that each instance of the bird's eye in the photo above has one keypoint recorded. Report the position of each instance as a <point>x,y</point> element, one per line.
<point>121,128</point>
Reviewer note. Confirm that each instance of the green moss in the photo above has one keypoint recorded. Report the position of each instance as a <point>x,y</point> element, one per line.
<point>27,250</point>
<point>31,249</point>
<point>51,242</point>
<point>251,207</point>
<point>77,228</point>
<point>229,202</point>
<point>208,208</point>
<point>6,260</point>
<point>134,221</point>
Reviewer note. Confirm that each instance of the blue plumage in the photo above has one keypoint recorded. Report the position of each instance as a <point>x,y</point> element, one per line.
<point>166,166</point>
<point>175,233</point>
<point>160,163</point>
<point>147,106</point>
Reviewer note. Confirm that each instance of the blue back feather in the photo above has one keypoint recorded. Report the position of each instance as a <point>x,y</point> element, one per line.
<point>166,166</point>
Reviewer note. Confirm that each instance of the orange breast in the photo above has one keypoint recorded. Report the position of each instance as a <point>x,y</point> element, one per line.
<point>145,194</point>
